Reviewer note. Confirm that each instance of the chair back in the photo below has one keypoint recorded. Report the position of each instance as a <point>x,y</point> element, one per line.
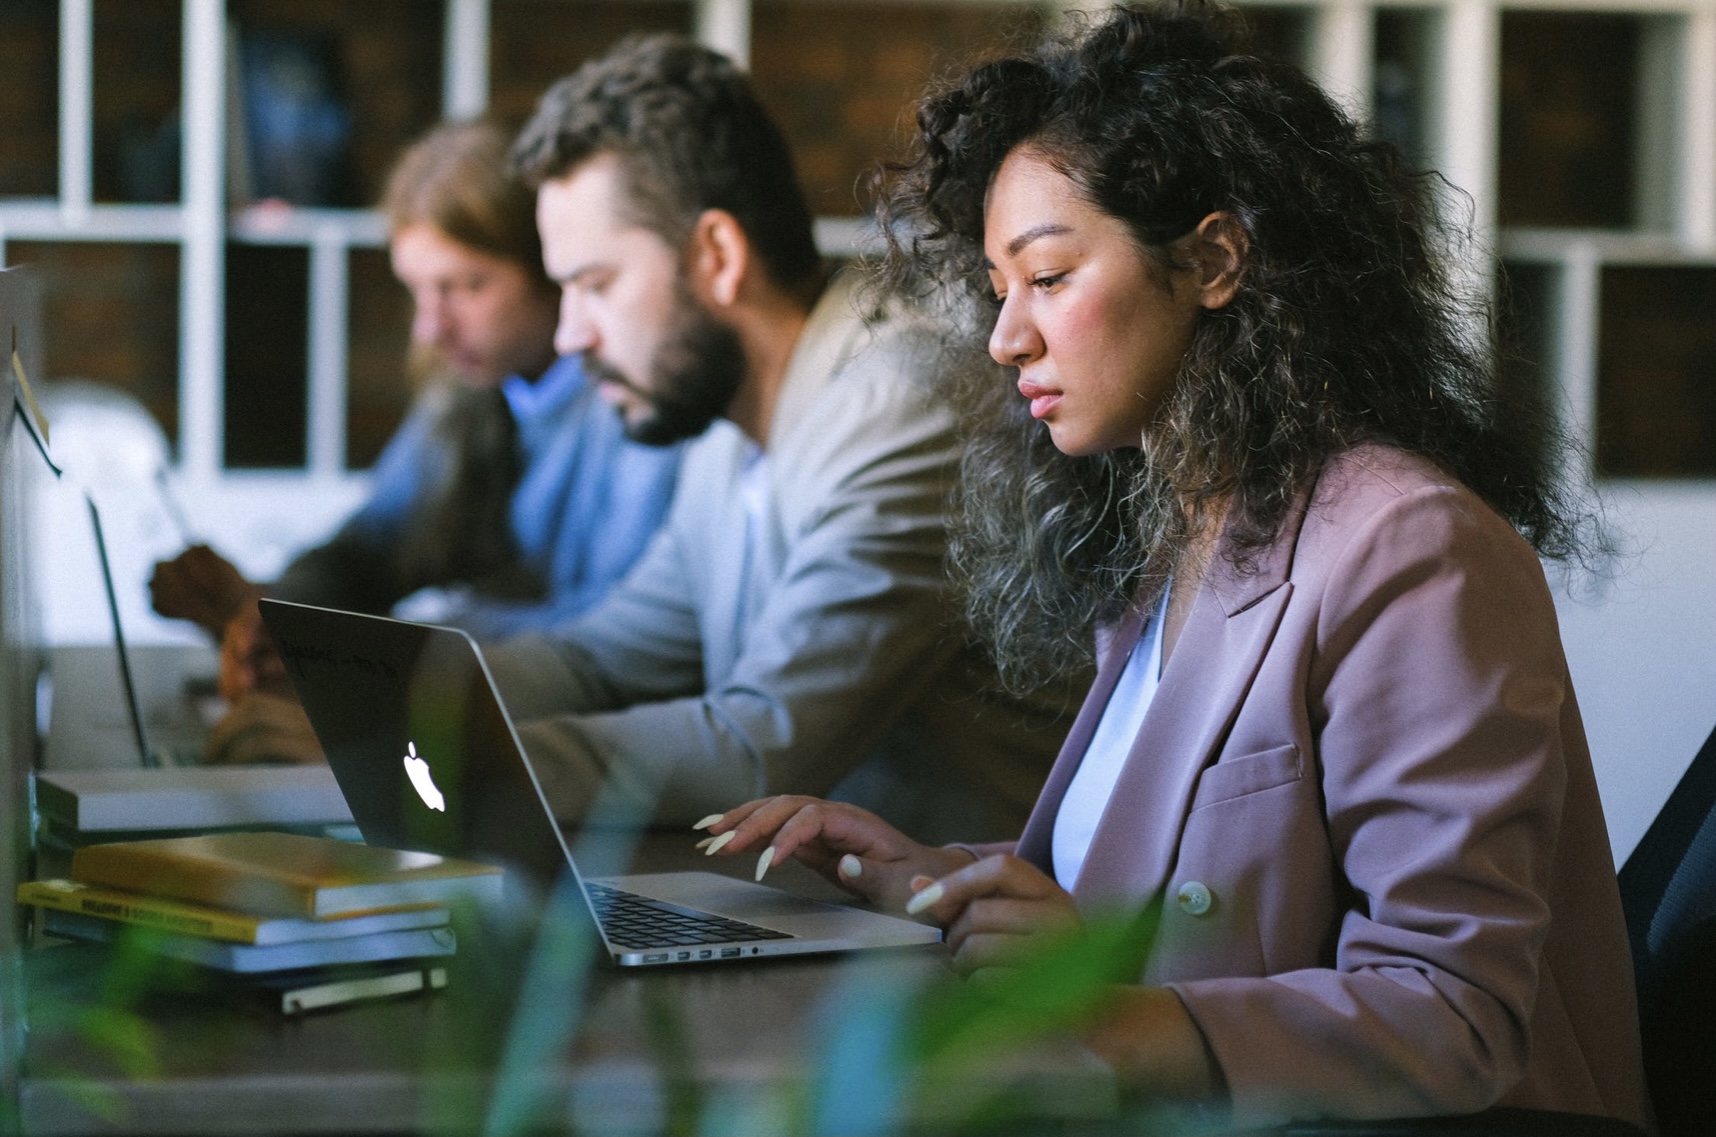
<point>1668,893</point>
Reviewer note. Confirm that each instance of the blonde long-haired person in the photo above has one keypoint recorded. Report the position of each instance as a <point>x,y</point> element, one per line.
<point>510,497</point>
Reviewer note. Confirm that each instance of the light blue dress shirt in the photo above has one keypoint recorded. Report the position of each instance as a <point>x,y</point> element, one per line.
<point>587,503</point>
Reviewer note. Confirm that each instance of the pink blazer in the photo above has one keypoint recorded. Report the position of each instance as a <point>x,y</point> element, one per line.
<point>1364,794</point>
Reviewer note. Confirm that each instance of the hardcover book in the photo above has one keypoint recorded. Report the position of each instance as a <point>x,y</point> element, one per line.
<point>416,943</point>
<point>285,874</point>
<point>131,799</point>
<point>189,919</point>
<point>288,993</point>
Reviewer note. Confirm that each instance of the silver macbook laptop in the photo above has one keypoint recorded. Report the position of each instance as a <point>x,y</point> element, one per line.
<point>427,758</point>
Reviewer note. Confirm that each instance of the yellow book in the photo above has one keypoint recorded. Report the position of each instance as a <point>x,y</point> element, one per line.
<point>213,923</point>
<point>284,874</point>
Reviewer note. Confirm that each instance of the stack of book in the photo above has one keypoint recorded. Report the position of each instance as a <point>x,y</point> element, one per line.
<point>307,921</point>
<point>89,807</point>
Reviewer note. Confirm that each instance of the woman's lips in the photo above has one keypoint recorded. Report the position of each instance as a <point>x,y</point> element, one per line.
<point>1043,399</point>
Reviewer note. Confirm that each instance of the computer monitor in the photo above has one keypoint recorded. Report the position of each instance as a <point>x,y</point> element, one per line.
<point>20,641</point>
<point>21,462</point>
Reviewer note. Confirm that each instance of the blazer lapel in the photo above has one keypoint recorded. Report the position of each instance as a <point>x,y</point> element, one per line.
<point>1200,694</point>
<point>1232,623</point>
<point>1035,843</point>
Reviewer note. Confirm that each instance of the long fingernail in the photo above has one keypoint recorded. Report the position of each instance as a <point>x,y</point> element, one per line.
<point>764,861</point>
<point>719,843</point>
<point>925,899</point>
<point>851,866</point>
<point>708,821</point>
<point>705,843</point>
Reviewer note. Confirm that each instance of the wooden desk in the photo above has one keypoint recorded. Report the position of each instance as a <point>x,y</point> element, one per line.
<point>746,1047</point>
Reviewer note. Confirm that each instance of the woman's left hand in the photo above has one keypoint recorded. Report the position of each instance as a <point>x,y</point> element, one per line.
<point>994,910</point>
<point>1001,906</point>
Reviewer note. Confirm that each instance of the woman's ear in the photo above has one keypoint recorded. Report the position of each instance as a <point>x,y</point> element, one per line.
<point>720,256</point>
<point>1219,247</point>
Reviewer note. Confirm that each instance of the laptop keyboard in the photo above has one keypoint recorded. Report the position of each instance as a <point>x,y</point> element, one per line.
<point>633,921</point>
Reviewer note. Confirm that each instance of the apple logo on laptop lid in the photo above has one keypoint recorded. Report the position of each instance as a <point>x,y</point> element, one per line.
<point>421,780</point>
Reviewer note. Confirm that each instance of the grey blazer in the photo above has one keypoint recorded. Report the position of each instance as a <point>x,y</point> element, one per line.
<point>821,656</point>
<point>1363,793</point>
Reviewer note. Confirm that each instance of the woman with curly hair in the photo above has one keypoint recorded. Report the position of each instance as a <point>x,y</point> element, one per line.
<point>1251,434</point>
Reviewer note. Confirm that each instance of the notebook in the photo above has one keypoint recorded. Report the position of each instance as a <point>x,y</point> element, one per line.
<point>417,736</point>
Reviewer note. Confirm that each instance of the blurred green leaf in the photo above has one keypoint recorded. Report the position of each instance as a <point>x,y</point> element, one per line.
<point>126,1038</point>
<point>958,1055</point>
<point>1058,985</point>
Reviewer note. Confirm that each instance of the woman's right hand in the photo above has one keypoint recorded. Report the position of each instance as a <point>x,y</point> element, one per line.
<point>849,846</point>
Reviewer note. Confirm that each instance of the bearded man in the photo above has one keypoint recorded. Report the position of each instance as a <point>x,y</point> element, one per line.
<point>792,627</point>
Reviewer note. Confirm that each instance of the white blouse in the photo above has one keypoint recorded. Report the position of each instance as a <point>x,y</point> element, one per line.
<point>1087,795</point>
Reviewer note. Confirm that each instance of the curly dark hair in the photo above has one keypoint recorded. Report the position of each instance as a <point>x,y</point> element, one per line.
<point>690,135</point>
<point>1349,323</point>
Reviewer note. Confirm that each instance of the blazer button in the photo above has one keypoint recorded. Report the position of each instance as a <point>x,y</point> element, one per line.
<point>1195,898</point>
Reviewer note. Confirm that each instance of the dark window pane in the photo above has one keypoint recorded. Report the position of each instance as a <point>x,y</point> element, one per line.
<point>534,42</point>
<point>1568,118</point>
<point>380,65</point>
<point>1525,296</point>
<point>135,111</point>
<point>29,97</point>
<point>110,312</point>
<point>267,355</point>
<point>1401,82</point>
<point>1656,373</point>
<point>377,389</point>
<point>842,78</point>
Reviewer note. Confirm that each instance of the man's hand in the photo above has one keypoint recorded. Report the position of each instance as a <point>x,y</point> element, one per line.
<point>248,660</point>
<point>202,586</point>
<point>262,727</point>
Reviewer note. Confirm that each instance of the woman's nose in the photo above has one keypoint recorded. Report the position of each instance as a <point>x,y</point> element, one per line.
<point>1015,341</point>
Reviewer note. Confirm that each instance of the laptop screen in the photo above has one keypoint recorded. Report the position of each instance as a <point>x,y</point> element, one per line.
<point>415,734</point>
<point>133,706</point>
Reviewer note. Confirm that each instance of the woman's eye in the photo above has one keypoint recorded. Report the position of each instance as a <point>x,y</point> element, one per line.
<point>1048,281</point>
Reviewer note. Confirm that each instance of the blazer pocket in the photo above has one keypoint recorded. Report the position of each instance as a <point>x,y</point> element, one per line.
<point>1249,774</point>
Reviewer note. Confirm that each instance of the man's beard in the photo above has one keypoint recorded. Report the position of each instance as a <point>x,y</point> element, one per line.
<point>693,378</point>
<point>426,364</point>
